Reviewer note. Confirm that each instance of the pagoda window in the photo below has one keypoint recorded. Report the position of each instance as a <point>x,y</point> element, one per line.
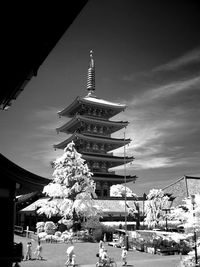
<point>95,165</point>
<point>98,189</point>
<point>88,128</point>
<point>89,111</point>
<point>94,113</point>
<point>102,148</point>
<point>95,147</point>
<point>101,130</point>
<point>103,166</point>
<point>105,189</point>
<point>99,112</point>
<point>106,130</point>
<point>88,146</point>
<point>98,185</point>
<point>95,129</point>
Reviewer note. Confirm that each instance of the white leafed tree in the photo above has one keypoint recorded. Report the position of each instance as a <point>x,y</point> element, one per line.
<point>71,190</point>
<point>120,190</point>
<point>154,205</point>
<point>188,214</point>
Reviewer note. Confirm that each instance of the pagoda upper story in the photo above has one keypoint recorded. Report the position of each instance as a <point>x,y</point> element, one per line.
<point>91,129</point>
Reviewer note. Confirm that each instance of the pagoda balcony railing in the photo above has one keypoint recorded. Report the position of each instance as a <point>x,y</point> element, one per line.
<point>99,151</point>
<point>94,151</point>
<point>95,133</point>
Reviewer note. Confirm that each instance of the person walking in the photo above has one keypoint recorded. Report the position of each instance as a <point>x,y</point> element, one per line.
<point>39,251</point>
<point>28,251</point>
<point>124,256</point>
<point>104,257</point>
<point>70,256</point>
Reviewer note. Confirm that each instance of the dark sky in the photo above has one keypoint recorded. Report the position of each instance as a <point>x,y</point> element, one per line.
<point>147,55</point>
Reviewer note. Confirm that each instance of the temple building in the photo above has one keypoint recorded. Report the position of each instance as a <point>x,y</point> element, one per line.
<point>90,127</point>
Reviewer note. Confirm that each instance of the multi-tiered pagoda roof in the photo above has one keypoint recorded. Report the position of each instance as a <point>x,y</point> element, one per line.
<point>91,128</point>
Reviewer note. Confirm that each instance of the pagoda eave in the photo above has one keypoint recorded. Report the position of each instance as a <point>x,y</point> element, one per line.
<point>98,139</point>
<point>71,110</point>
<point>106,157</point>
<point>76,122</point>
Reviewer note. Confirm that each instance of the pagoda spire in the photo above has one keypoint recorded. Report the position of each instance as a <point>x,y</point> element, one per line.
<point>91,75</point>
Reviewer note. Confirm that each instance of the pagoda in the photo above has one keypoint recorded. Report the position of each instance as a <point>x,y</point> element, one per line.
<point>90,127</point>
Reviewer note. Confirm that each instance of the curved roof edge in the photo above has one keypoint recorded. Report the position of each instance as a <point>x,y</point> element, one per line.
<point>91,138</point>
<point>28,181</point>
<point>91,101</point>
<point>77,118</point>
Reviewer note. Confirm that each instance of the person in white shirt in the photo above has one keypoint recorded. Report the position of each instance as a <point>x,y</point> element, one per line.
<point>124,256</point>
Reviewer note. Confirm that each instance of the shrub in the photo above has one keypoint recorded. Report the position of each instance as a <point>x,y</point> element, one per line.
<point>50,228</point>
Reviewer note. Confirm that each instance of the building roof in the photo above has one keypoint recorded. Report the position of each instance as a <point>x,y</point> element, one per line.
<point>114,207</point>
<point>102,102</point>
<point>35,205</point>
<point>183,188</point>
<point>26,197</point>
<point>75,122</point>
<point>108,206</point>
<point>91,101</point>
<point>28,181</point>
<point>97,139</point>
<point>29,34</point>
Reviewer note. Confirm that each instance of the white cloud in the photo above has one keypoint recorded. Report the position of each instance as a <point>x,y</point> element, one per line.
<point>188,58</point>
<point>164,91</point>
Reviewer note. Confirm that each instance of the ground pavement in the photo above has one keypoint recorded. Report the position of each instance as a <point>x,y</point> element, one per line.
<point>55,255</point>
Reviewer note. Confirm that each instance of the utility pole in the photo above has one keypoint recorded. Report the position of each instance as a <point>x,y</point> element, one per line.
<point>194,229</point>
<point>126,235</point>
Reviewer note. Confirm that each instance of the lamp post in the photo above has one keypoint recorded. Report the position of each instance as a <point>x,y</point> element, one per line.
<point>166,211</point>
<point>194,229</point>
<point>126,236</point>
<point>144,198</point>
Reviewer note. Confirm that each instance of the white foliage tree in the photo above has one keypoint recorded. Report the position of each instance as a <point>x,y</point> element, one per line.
<point>188,214</point>
<point>154,205</point>
<point>71,189</point>
<point>120,190</point>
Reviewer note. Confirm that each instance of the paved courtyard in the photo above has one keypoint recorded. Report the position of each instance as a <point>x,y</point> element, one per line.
<point>55,255</point>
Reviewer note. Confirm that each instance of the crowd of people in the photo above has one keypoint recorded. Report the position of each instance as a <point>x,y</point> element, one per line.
<point>103,256</point>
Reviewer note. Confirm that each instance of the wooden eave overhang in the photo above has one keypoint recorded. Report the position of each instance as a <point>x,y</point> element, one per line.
<point>75,121</point>
<point>76,105</point>
<point>28,181</point>
<point>30,33</point>
<point>106,157</point>
<point>98,139</point>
